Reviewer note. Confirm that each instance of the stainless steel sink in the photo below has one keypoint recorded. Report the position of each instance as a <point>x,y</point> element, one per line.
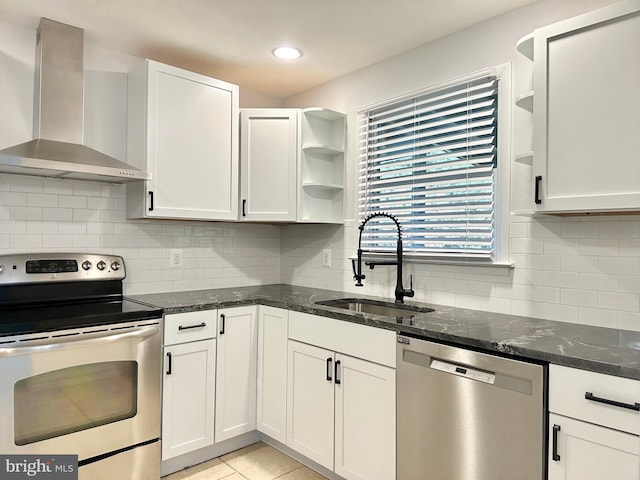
<point>376,307</point>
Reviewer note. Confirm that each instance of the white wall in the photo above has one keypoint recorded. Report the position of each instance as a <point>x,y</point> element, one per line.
<point>578,269</point>
<point>38,214</point>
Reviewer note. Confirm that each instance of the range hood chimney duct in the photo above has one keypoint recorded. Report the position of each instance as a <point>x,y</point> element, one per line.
<point>57,150</point>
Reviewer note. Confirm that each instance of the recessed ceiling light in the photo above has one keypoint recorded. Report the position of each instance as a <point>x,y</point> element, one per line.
<point>287,53</point>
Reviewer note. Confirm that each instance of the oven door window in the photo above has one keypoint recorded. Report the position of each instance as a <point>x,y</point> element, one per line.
<point>72,399</point>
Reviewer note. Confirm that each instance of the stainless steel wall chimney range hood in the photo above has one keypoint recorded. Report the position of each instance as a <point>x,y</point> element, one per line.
<point>57,150</point>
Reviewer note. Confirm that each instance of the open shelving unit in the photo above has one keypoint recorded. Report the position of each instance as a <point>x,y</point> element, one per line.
<point>322,165</point>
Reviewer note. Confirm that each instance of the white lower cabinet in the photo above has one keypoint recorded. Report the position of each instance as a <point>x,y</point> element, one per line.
<point>593,426</point>
<point>235,403</point>
<point>365,432</point>
<point>310,402</point>
<point>271,414</point>
<point>341,409</point>
<point>584,451</point>
<point>188,383</point>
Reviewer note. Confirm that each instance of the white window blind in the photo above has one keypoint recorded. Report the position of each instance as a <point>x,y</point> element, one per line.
<point>430,161</point>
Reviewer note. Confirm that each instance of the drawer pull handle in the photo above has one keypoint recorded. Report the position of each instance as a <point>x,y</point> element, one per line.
<point>335,373</point>
<point>554,451</point>
<point>200,325</point>
<point>169,369</point>
<point>223,320</point>
<point>629,406</point>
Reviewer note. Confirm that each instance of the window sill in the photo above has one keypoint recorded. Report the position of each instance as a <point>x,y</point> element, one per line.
<point>437,261</point>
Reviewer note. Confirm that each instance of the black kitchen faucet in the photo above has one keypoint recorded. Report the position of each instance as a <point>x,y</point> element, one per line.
<point>358,276</point>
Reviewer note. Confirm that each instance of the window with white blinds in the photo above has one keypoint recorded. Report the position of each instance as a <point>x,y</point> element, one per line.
<point>430,160</point>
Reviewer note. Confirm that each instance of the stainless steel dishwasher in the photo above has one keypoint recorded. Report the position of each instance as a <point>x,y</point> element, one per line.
<point>465,415</point>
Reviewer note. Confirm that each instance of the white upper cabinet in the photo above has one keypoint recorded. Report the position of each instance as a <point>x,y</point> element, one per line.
<point>268,164</point>
<point>586,147</point>
<point>183,128</point>
<point>292,165</point>
<point>321,172</point>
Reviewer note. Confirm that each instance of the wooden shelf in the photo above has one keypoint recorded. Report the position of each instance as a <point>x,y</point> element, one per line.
<point>525,46</point>
<point>525,101</point>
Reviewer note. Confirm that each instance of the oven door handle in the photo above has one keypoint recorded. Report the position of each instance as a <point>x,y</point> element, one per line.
<point>76,341</point>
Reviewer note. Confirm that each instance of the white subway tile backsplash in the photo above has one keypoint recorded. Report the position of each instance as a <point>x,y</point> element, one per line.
<point>619,265</point>
<point>629,302</point>
<point>42,200</point>
<point>26,213</point>
<point>57,214</point>
<point>598,317</point>
<point>598,281</point>
<point>72,201</point>
<point>560,313</point>
<point>599,247</point>
<point>8,198</point>
<point>580,298</point>
<point>584,270</point>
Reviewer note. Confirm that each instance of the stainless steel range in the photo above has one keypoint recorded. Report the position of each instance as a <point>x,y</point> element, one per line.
<point>80,365</point>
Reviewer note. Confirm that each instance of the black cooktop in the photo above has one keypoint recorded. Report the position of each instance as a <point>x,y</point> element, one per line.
<point>47,317</point>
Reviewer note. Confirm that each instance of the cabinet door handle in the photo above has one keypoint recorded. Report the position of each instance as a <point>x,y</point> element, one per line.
<point>329,369</point>
<point>244,207</point>
<point>223,319</point>
<point>335,373</point>
<point>554,451</point>
<point>615,403</point>
<point>150,201</point>
<point>537,198</point>
<point>169,366</point>
<point>182,327</point>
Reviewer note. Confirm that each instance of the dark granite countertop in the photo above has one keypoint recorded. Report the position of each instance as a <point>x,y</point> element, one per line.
<point>604,350</point>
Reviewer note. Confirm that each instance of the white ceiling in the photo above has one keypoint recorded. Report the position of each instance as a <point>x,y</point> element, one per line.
<point>232,39</point>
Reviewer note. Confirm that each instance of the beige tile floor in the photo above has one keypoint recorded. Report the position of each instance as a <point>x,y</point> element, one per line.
<point>255,462</point>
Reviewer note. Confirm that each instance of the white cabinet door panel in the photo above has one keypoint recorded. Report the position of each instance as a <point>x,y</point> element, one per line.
<point>269,157</point>
<point>365,441</point>
<point>188,396</point>
<point>591,452</point>
<point>585,112</point>
<point>236,372</point>
<point>310,402</point>
<point>272,372</point>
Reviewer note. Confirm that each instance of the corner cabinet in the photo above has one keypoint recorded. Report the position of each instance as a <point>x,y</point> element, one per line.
<point>268,164</point>
<point>236,372</point>
<point>322,166</point>
<point>593,426</point>
<point>183,128</point>
<point>273,325</point>
<point>587,97</point>
<point>301,152</point>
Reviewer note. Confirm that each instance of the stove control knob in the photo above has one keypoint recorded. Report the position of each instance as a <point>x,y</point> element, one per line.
<point>101,265</point>
<point>86,265</point>
<point>115,266</point>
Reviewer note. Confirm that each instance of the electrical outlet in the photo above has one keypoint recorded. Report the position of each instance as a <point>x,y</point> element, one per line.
<point>175,257</point>
<point>326,257</point>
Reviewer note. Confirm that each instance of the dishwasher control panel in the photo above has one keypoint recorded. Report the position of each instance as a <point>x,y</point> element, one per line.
<point>463,371</point>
